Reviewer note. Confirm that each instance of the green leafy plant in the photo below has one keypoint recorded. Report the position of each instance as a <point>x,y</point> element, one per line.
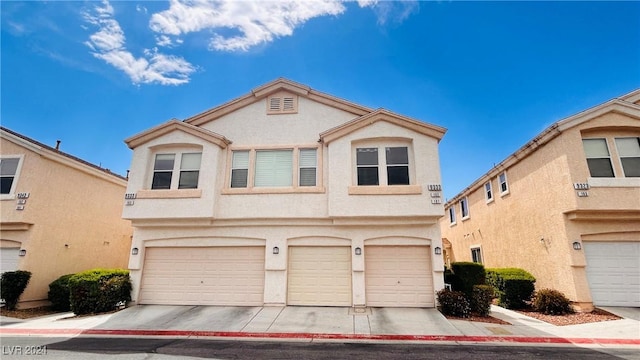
<point>514,286</point>
<point>467,275</point>
<point>12,285</point>
<point>59,293</point>
<point>99,290</point>
<point>453,303</point>
<point>481,299</point>
<point>551,302</point>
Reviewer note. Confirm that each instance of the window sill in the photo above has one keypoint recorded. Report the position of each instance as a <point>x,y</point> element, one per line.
<point>8,196</point>
<point>504,193</point>
<point>614,182</point>
<point>489,201</point>
<point>453,224</point>
<point>466,218</point>
<point>274,190</point>
<point>386,190</point>
<point>169,194</point>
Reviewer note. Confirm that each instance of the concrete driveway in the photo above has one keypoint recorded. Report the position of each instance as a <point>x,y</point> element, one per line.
<point>291,319</point>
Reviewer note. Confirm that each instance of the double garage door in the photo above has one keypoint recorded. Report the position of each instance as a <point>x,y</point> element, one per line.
<point>613,272</point>
<point>395,276</point>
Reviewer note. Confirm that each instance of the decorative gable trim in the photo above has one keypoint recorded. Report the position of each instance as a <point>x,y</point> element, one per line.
<point>275,86</point>
<point>632,97</point>
<point>176,125</point>
<point>386,116</point>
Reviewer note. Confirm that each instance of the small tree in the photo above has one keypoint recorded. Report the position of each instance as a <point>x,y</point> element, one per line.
<point>12,285</point>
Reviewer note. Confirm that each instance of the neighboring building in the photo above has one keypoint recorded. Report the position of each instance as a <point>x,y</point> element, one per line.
<point>565,207</point>
<point>59,214</point>
<point>286,196</point>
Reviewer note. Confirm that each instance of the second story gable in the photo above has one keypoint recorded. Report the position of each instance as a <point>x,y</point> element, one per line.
<point>281,151</point>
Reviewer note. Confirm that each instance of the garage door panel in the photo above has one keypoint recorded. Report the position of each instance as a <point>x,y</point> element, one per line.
<point>613,272</point>
<point>398,276</point>
<point>203,276</point>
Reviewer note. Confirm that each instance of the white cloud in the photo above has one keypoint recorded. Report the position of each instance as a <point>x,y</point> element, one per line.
<point>396,11</point>
<point>108,44</point>
<point>140,8</point>
<point>256,22</point>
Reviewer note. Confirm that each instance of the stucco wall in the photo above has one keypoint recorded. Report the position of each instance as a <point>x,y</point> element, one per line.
<point>75,216</point>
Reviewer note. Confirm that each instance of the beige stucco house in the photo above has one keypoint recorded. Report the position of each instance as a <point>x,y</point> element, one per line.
<point>565,207</point>
<point>286,196</point>
<point>58,214</point>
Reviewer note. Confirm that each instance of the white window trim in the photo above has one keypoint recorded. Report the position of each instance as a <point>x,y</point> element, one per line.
<point>479,247</point>
<point>295,188</point>
<point>615,143</point>
<point>506,181</point>
<point>175,173</point>
<point>464,202</point>
<point>381,145</point>
<point>16,177</point>
<point>452,211</point>
<point>613,168</point>
<point>486,195</point>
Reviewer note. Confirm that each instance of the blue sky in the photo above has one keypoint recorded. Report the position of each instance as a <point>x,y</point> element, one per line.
<point>495,74</point>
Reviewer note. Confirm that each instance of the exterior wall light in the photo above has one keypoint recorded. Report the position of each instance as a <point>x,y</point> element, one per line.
<point>577,245</point>
<point>358,251</point>
<point>438,250</point>
<point>22,252</point>
<point>134,251</point>
<point>276,250</point>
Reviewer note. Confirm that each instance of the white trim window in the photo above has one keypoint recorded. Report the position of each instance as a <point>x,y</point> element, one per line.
<point>171,174</point>
<point>452,215</point>
<point>274,168</point>
<point>8,174</point>
<point>240,169</point>
<point>476,254</point>
<point>504,185</point>
<point>464,208</point>
<point>598,157</point>
<point>307,167</point>
<point>488,191</point>
<point>394,171</point>
<point>629,153</point>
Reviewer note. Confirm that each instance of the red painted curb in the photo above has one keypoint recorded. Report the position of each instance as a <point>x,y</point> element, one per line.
<point>311,336</point>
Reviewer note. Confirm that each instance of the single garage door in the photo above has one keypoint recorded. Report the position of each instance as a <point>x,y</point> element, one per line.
<point>399,276</point>
<point>319,276</point>
<point>9,259</point>
<point>613,272</point>
<point>203,276</point>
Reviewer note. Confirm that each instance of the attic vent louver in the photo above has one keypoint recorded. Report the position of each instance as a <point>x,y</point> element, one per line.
<point>282,103</point>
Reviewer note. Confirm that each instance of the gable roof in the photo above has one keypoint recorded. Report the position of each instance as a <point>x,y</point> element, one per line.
<point>176,125</point>
<point>621,105</point>
<point>263,91</point>
<point>60,156</point>
<point>386,116</point>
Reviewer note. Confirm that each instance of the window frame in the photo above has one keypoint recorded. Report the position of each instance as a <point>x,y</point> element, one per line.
<point>488,193</point>
<point>476,249</point>
<point>609,157</point>
<point>452,215</point>
<point>176,171</point>
<point>505,182</point>
<point>16,175</point>
<point>382,164</point>
<point>464,208</point>
<point>620,156</point>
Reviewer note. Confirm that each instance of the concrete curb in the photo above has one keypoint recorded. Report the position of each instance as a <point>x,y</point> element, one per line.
<point>315,336</point>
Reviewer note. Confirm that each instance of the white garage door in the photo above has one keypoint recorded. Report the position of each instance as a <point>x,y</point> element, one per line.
<point>203,276</point>
<point>613,272</point>
<point>399,276</point>
<point>319,276</point>
<point>9,259</point>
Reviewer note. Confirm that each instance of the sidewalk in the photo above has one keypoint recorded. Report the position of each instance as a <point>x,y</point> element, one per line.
<point>325,323</point>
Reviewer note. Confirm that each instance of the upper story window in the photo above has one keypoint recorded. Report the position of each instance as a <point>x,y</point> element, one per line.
<point>274,168</point>
<point>176,171</point>
<point>452,215</point>
<point>8,172</point>
<point>464,207</point>
<point>393,168</point>
<point>504,185</point>
<point>598,157</point>
<point>488,191</point>
<point>476,255</point>
<point>629,152</point>
<point>282,103</point>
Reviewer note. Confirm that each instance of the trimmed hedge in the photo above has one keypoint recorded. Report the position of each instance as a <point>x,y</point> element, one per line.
<point>481,299</point>
<point>59,293</point>
<point>551,302</point>
<point>453,303</point>
<point>12,285</point>
<point>514,286</point>
<point>467,275</point>
<point>99,290</point>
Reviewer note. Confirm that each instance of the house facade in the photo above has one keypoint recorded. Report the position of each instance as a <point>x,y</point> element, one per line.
<point>565,207</point>
<point>58,215</point>
<point>286,196</point>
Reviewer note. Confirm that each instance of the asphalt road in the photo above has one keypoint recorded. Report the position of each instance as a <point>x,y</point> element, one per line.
<point>134,348</point>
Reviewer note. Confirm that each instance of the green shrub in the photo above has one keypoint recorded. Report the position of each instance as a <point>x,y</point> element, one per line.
<point>514,286</point>
<point>453,303</point>
<point>12,285</point>
<point>59,293</point>
<point>481,299</point>
<point>468,274</point>
<point>99,290</point>
<point>551,302</point>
